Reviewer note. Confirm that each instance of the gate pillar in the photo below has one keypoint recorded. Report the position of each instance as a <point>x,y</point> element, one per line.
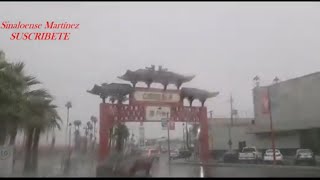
<point>106,120</point>
<point>204,135</point>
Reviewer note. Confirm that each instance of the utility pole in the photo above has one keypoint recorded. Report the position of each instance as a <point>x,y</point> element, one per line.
<point>69,144</point>
<point>183,135</point>
<point>67,123</point>
<point>168,127</point>
<point>271,127</point>
<point>210,114</point>
<point>231,123</point>
<point>68,106</point>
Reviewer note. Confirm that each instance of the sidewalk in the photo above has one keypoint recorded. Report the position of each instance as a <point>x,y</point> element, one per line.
<point>221,164</point>
<point>82,165</point>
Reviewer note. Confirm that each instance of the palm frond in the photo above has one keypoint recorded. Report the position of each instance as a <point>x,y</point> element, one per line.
<point>30,80</point>
<point>39,93</point>
<point>18,67</point>
<point>58,126</point>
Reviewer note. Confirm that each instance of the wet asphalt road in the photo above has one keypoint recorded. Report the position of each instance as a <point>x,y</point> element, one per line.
<point>259,172</point>
<point>164,169</point>
<point>85,167</point>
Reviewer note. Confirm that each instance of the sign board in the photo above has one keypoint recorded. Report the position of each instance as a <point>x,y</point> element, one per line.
<point>164,124</point>
<point>150,96</point>
<point>6,160</point>
<point>156,113</point>
<point>265,103</point>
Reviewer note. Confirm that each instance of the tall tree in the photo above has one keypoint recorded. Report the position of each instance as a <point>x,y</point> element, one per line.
<point>94,120</point>
<point>121,134</point>
<point>77,138</point>
<point>42,116</point>
<point>23,107</point>
<point>11,89</point>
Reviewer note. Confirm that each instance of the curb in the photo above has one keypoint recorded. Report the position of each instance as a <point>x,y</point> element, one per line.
<point>248,165</point>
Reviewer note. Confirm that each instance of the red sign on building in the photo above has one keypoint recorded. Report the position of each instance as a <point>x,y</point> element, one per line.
<point>265,103</point>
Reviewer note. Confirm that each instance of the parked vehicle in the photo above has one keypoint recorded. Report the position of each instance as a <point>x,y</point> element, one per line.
<point>184,154</point>
<point>180,154</point>
<point>268,156</point>
<point>250,154</point>
<point>230,156</point>
<point>124,165</point>
<point>174,154</point>
<point>305,156</point>
<point>153,153</point>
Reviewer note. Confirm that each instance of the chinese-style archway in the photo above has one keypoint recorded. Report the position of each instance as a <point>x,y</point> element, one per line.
<point>140,98</point>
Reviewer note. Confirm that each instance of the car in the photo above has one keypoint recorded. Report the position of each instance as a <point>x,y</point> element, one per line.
<point>268,156</point>
<point>164,150</point>
<point>250,154</point>
<point>174,154</point>
<point>153,153</point>
<point>180,154</point>
<point>230,156</point>
<point>124,165</point>
<point>305,156</point>
<point>184,154</point>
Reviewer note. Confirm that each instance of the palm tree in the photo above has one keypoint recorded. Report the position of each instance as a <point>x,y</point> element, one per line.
<point>12,78</point>
<point>42,115</point>
<point>77,124</point>
<point>121,134</point>
<point>19,117</point>
<point>89,129</point>
<point>94,121</point>
<point>53,139</point>
<point>53,124</point>
<point>11,90</point>
<point>33,106</point>
<point>68,106</point>
<point>24,108</point>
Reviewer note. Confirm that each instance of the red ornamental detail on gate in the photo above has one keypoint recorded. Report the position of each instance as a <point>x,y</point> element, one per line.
<point>136,113</point>
<point>128,113</point>
<point>185,114</point>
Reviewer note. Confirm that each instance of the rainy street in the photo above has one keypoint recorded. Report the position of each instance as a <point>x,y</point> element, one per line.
<point>202,89</point>
<point>162,169</point>
<point>84,166</point>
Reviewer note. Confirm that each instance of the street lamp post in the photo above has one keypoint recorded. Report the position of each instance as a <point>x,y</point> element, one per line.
<point>183,135</point>
<point>187,135</point>
<point>69,144</point>
<point>271,126</point>
<point>231,123</point>
<point>168,129</point>
<point>68,106</point>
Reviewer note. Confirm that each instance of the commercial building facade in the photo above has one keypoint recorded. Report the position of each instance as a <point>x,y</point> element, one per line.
<point>295,113</point>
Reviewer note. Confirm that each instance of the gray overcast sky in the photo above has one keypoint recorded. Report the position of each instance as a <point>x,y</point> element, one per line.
<point>225,44</point>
